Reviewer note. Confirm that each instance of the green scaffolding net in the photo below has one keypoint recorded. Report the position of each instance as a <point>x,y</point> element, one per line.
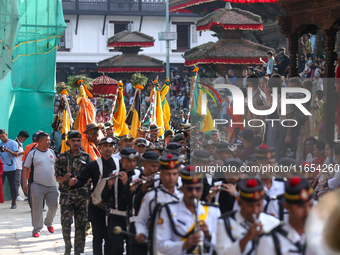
<point>29,38</point>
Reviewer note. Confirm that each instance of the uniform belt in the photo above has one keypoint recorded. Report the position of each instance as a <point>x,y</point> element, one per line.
<point>132,219</point>
<point>117,212</point>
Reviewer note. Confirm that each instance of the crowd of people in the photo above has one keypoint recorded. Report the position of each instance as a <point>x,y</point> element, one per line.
<point>150,194</point>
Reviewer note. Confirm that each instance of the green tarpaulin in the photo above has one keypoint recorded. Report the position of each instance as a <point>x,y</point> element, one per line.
<point>29,38</point>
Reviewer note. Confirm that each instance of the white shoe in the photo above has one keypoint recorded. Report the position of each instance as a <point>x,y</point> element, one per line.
<point>19,198</point>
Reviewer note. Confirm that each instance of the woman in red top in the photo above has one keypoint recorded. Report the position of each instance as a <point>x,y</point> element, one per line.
<point>2,199</point>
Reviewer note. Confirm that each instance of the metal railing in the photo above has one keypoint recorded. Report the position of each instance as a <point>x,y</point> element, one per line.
<point>109,7</point>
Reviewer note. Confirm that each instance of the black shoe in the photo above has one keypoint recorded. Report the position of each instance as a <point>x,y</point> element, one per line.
<point>14,206</point>
<point>67,251</point>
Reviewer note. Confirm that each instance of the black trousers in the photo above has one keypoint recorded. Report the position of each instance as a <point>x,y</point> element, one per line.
<point>134,246</point>
<point>117,241</point>
<point>11,181</point>
<point>99,232</point>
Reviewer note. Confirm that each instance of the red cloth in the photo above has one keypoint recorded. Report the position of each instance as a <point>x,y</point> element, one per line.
<point>2,198</point>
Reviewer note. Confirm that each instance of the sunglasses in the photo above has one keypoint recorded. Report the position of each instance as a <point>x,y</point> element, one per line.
<point>190,189</point>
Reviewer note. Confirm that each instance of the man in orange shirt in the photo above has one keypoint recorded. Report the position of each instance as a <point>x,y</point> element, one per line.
<point>28,148</point>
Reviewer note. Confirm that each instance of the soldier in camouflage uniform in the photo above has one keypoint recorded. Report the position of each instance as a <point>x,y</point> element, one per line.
<point>70,164</point>
<point>197,138</point>
<point>154,132</point>
<point>180,138</point>
<point>140,146</point>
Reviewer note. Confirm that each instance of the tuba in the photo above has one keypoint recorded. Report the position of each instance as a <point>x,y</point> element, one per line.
<point>323,225</point>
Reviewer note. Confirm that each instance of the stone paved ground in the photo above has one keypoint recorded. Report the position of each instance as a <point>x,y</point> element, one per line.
<point>16,233</point>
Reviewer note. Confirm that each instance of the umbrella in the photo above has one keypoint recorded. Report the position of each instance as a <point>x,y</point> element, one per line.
<point>105,87</point>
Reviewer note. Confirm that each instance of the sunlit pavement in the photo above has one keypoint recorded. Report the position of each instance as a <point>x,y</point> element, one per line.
<point>16,233</point>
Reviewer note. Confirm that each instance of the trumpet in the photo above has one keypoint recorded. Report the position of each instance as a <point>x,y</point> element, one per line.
<point>201,244</point>
<point>144,181</point>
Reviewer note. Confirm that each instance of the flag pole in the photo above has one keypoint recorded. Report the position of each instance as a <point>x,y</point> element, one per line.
<point>192,92</point>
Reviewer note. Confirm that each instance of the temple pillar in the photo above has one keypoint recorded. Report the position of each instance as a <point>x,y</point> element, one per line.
<point>329,87</point>
<point>318,44</point>
<point>338,41</point>
<point>293,46</point>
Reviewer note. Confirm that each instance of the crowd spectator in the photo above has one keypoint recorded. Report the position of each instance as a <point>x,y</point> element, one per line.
<point>8,153</point>
<point>43,184</point>
<point>20,139</point>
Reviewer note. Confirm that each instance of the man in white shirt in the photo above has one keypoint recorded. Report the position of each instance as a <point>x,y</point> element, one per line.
<point>128,86</point>
<point>189,226</point>
<point>43,184</point>
<point>23,135</point>
<point>290,238</point>
<point>238,231</point>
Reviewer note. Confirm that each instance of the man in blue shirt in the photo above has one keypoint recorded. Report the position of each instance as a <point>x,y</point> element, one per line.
<point>8,152</point>
<point>231,78</point>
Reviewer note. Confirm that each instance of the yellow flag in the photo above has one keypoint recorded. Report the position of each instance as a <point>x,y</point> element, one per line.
<point>166,107</point>
<point>65,130</point>
<point>119,117</point>
<point>159,114</point>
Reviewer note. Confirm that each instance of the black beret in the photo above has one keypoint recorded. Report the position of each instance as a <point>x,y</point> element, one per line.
<point>236,141</point>
<point>174,147</point>
<point>298,190</point>
<point>168,132</point>
<point>247,134</point>
<point>107,140</point>
<point>153,146</point>
<point>251,190</point>
<point>129,153</point>
<point>222,146</point>
<point>236,162</point>
<point>178,137</point>
<point>74,134</point>
<point>126,137</point>
<point>169,161</point>
<point>210,142</point>
<point>286,161</point>
<point>201,155</point>
<point>150,156</point>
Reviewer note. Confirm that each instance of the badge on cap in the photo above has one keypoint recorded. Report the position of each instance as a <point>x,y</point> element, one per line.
<point>171,164</point>
<point>304,195</point>
<point>256,195</point>
<point>195,178</point>
<point>109,140</point>
<point>269,155</point>
<point>131,156</point>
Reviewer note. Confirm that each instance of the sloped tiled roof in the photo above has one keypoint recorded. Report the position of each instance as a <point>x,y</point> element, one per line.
<point>130,62</point>
<point>231,51</point>
<point>230,19</point>
<point>126,38</point>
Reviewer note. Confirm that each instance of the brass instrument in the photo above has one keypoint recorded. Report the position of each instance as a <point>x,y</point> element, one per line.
<point>201,244</point>
<point>322,226</point>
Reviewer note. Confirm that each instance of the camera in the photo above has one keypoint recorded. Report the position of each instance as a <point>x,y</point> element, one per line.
<point>2,148</point>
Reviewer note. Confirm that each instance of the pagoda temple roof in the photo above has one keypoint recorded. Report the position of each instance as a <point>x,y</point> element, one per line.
<point>129,63</point>
<point>230,19</point>
<point>226,51</point>
<point>177,5</point>
<point>130,39</point>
